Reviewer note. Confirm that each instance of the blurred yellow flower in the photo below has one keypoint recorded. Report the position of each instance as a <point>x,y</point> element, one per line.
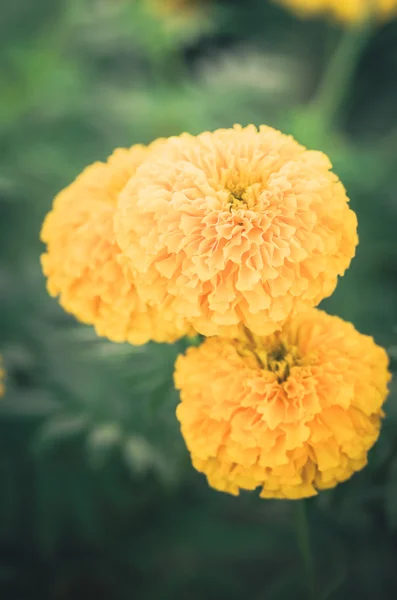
<point>179,17</point>
<point>171,7</point>
<point>344,10</point>
<point>83,263</point>
<point>236,227</point>
<point>292,413</point>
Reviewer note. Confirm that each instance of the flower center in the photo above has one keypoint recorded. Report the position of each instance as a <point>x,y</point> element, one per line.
<point>281,359</point>
<point>236,199</point>
<point>271,354</point>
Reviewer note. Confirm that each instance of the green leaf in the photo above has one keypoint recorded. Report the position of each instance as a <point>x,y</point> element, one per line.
<point>391,496</point>
<point>101,442</point>
<point>58,430</point>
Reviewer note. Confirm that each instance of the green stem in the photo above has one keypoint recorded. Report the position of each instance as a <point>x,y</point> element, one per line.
<point>195,340</point>
<point>339,72</point>
<point>303,537</point>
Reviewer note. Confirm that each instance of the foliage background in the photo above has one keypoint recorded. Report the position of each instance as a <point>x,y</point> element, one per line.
<point>98,498</point>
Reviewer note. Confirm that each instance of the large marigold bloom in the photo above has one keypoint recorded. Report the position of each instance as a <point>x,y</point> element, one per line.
<point>348,11</point>
<point>292,413</point>
<point>238,226</point>
<point>83,262</point>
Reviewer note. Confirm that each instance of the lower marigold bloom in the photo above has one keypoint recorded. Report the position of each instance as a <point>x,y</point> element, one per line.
<point>236,227</point>
<point>292,413</point>
<point>83,262</point>
<point>348,11</point>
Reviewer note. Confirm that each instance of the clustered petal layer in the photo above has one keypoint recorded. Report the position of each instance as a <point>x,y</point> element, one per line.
<point>83,262</point>
<point>293,413</point>
<point>348,11</point>
<point>236,227</point>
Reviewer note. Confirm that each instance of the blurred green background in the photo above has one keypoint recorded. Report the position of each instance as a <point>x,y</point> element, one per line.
<point>97,495</point>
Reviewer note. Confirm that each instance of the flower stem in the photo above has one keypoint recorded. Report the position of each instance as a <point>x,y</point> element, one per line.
<point>195,340</point>
<point>303,538</point>
<point>338,74</point>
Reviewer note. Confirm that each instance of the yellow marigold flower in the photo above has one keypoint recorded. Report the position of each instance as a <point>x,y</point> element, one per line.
<point>348,11</point>
<point>292,413</point>
<point>83,262</point>
<point>238,226</point>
